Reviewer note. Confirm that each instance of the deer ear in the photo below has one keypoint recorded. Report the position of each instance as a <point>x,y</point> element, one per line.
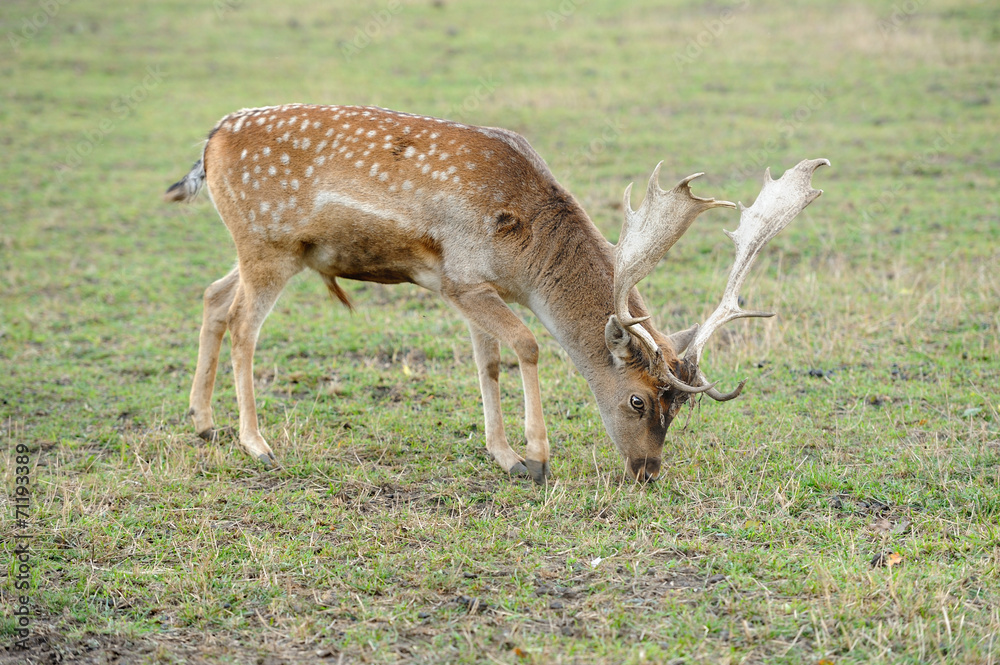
<point>618,340</point>
<point>680,339</point>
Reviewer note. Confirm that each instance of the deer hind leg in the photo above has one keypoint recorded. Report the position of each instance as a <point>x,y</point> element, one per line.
<point>487,353</point>
<point>256,294</point>
<point>487,312</point>
<point>218,299</point>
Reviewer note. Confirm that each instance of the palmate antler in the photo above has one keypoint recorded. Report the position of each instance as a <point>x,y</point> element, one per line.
<point>663,217</point>
<point>647,234</point>
<point>777,204</point>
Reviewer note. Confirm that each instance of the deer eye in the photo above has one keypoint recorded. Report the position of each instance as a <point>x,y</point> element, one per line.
<point>637,403</point>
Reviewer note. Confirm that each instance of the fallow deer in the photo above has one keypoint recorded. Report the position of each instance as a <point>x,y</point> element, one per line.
<point>474,215</point>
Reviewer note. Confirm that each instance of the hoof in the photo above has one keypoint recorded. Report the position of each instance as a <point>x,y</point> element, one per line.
<point>268,460</point>
<point>519,470</point>
<point>213,435</point>
<point>539,470</point>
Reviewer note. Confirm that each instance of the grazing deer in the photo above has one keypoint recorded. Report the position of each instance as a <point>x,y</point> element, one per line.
<point>474,215</point>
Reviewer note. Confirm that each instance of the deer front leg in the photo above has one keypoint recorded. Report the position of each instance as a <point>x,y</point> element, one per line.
<point>218,299</point>
<point>487,352</point>
<point>486,310</point>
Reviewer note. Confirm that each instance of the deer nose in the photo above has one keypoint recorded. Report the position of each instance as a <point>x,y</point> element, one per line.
<point>645,469</point>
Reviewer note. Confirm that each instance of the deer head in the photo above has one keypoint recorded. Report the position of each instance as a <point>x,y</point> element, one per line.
<point>654,379</point>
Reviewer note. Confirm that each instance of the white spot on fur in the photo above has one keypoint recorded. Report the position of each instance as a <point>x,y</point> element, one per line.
<point>295,184</point>
<point>407,185</point>
<point>409,152</point>
<point>309,171</point>
<point>271,170</point>
<point>246,177</point>
<point>358,164</point>
<point>285,158</point>
<point>383,176</point>
<point>374,169</point>
<point>243,155</point>
<point>266,150</point>
<point>265,206</point>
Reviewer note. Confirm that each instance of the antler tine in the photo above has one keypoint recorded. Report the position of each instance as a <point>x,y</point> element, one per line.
<point>718,396</point>
<point>647,234</point>
<point>777,204</point>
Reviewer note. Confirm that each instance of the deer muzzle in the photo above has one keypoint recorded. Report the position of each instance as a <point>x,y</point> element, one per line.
<point>644,469</point>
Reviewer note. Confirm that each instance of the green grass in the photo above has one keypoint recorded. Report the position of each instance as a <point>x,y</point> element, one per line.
<point>870,423</point>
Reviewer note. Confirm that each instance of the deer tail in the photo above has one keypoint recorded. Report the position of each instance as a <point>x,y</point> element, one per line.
<point>187,187</point>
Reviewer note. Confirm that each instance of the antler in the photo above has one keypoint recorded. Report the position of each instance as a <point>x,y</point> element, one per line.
<point>647,234</point>
<point>777,204</point>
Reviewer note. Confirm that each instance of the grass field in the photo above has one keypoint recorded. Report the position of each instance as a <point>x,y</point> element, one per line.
<point>869,426</point>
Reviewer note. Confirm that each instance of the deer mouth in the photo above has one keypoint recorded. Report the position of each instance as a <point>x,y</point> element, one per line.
<point>644,469</point>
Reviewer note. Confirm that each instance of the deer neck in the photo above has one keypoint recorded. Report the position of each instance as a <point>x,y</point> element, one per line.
<point>573,290</point>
